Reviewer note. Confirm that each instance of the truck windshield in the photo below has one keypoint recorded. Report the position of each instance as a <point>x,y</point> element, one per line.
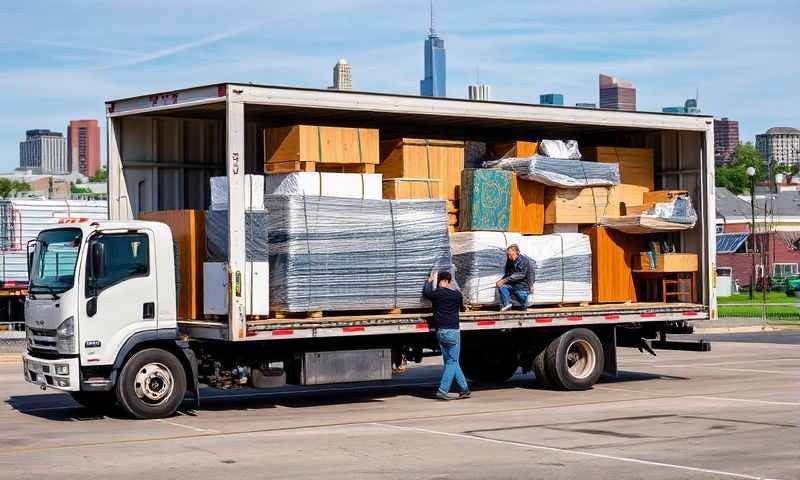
<point>54,260</point>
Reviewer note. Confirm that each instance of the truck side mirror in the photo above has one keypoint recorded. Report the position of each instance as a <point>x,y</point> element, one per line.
<point>31,247</point>
<point>98,255</point>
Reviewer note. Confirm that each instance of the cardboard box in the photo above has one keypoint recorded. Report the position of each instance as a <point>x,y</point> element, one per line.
<point>577,205</point>
<point>321,144</point>
<point>420,158</point>
<point>666,262</point>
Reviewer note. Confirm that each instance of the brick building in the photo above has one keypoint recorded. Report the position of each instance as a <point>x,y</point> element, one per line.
<point>83,147</point>
<point>616,94</point>
<point>726,138</point>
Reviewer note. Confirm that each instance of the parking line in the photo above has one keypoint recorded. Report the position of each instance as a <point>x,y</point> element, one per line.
<point>574,452</point>
<point>176,424</point>
<point>749,400</point>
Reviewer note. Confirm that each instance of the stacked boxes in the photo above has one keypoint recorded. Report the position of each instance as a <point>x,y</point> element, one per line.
<point>309,148</point>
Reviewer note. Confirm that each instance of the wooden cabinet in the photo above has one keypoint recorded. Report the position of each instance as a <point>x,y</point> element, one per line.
<point>612,252</point>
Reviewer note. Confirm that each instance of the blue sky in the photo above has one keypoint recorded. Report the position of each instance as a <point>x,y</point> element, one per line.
<point>62,60</point>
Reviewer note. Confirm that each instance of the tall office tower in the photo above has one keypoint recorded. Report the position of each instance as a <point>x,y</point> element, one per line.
<point>434,83</point>
<point>779,145</point>
<point>551,99</point>
<point>617,94</point>
<point>342,76</point>
<point>689,107</point>
<point>480,91</point>
<point>726,138</point>
<point>43,151</point>
<point>83,153</point>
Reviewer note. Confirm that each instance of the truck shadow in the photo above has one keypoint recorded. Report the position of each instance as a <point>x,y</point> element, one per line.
<point>420,382</point>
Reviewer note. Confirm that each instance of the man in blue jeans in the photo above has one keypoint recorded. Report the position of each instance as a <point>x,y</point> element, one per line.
<point>517,279</point>
<point>447,303</point>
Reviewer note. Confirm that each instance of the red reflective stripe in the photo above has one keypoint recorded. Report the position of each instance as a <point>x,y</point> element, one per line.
<point>422,326</point>
<point>689,314</point>
<point>251,333</point>
<point>612,317</point>
<point>544,320</point>
<point>283,332</point>
<point>574,319</point>
<point>647,315</point>
<point>486,323</point>
<point>352,329</point>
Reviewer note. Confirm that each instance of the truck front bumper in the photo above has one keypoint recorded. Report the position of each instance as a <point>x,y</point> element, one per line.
<point>62,374</point>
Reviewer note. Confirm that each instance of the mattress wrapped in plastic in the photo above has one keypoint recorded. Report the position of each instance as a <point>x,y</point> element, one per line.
<point>326,184</point>
<point>253,192</point>
<point>330,253</point>
<point>485,199</point>
<point>256,225</point>
<point>562,265</point>
<point>558,172</point>
<point>560,149</point>
<point>662,217</point>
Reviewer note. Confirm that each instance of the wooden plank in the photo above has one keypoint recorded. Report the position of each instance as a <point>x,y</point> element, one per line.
<point>635,164</point>
<point>527,207</point>
<point>612,276</point>
<point>323,144</point>
<point>413,188</point>
<point>663,196</point>
<point>188,230</point>
<point>667,262</point>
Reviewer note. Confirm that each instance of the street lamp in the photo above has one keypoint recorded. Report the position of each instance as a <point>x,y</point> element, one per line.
<point>751,172</point>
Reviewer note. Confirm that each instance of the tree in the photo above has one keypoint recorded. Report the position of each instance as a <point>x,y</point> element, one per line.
<point>77,189</point>
<point>9,187</point>
<point>101,175</point>
<point>734,176</point>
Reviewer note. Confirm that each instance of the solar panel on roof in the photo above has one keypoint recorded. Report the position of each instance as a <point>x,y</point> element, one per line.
<point>730,242</point>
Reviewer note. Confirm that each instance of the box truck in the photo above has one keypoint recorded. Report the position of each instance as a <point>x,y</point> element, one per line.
<point>111,332</point>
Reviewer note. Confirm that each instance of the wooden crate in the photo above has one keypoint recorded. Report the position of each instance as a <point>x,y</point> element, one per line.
<point>321,144</point>
<point>612,272</point>
<point>289,167</point>
<point>635,164</point>
<point>666,262</point>
<point>624,196</point>
<point>188,230</point>
<point>663,196</point>
<point>527,207</point>
<point>519,148</point>
<point>419,158</point>
<point>577,205</point>
<point>413,188</point>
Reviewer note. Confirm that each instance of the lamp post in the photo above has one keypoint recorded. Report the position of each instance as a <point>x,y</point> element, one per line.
<point>751,172</point>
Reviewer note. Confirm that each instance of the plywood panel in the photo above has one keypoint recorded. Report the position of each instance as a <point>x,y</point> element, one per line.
<point>571,205</point>
<point>312,143</point>
<point>635,164</point>
<point>527,207</point>
<point>188,230</point>
<point>412,188</point>
<point>612,254</point>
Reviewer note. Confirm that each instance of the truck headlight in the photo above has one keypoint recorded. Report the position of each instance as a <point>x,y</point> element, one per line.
<point>65,337</point>
<point>62,369</point>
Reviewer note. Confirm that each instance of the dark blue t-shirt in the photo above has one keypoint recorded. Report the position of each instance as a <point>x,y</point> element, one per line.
<point>447,304</point>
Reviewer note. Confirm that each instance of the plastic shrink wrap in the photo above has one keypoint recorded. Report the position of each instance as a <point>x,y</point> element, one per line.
<point>560,149</point>
<point>346,185</point>
<point>253,191</point>
<point>557,172</point>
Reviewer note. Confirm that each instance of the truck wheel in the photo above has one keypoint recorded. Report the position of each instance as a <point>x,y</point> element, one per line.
<point>152,384</point>
<point>574,360</point>
<point>489,366</point>
<point>539,369</point>
<point>100,401</point>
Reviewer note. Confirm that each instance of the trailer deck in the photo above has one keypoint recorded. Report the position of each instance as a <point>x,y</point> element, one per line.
<point>383,324</point>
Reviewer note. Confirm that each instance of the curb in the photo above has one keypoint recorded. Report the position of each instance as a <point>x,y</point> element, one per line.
<point>748,329</point>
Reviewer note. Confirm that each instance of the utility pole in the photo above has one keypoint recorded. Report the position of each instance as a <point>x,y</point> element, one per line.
<point>751,172</point>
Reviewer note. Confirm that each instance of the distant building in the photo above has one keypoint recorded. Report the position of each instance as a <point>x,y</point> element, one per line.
<point>479,92</point>
<point>551,99</point>
<point>689,107</point>
<point>617,94</point>
<point>83,154</point>
<point>342,76</point>
<point>54,187</point>
<point>586,105</point>
<point>726,138</point>
<point>43,151</point>
<point>435,82</point>
<point>779,145</point>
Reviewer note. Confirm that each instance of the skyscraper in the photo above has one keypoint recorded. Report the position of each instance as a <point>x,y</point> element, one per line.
<point>43,152</point>
<point>434,83</point>
<point>83,147</point>
<point>551,99</point>
<point>342,76</point>
<point>726,138</point>
<point>617,94</point>
<point>689,107</point>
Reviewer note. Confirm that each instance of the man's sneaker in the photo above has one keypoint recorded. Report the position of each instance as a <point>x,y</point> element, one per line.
<point>444,396</point>
<point>505,307</point>
<point>466,394</point>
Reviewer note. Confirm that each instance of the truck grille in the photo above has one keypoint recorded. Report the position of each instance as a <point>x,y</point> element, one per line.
<point>43,340</point>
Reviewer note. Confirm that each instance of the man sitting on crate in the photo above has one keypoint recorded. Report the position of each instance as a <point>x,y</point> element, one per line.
<point>517,279</point>
<point>447,303</point>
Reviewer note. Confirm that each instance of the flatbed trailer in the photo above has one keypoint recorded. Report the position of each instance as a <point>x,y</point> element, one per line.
<point>125,343</point>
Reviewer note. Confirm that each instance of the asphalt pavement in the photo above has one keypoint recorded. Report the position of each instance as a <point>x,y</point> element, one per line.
<point>730,413</point>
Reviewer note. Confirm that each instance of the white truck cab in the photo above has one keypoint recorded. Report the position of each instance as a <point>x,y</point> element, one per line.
<point>100,294</point>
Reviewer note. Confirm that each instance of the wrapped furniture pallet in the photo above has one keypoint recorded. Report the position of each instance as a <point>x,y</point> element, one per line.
<point>485,199</point>
<point>340,254</point>
<point>658,217</point>
<point>320,148</point>
<point>558,172</point>
<point>562,262</point>
<point>348,185</point>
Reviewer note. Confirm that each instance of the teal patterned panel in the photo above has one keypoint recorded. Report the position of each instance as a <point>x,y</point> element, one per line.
<point>485,199</point>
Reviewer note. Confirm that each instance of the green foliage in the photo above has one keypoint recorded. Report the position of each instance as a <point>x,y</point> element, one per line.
<point>9,187</point>
<point>77,189</point>
<point>101,175</point>
<point>734,176</point>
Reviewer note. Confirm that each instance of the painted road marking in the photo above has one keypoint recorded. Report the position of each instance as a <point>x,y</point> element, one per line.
<point>189,427</point>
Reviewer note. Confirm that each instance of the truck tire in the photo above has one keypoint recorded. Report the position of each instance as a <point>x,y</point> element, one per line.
<point>539,370</point>
<point>494,365</point>
<point>152,384</point>
<point>98,401</point>
<point>574,359</point>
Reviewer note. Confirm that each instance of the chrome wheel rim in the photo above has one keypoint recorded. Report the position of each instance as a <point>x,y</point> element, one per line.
<point>581,359</point>
<point>154,383</point>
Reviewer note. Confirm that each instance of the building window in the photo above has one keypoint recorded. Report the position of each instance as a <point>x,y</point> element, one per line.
<point>720,228</point>
<point>783,270</point>
<point>724,271</point>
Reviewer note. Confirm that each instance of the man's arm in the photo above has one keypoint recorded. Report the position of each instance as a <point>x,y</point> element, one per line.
<point>430,285</point>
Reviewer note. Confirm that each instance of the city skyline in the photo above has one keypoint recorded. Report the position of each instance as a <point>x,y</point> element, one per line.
<point>666,49</point>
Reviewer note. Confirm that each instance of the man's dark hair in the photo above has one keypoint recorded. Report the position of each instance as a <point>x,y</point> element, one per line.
<point>445,275</point>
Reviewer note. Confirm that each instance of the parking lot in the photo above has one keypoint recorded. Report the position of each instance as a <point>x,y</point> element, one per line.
<point>731,413</point>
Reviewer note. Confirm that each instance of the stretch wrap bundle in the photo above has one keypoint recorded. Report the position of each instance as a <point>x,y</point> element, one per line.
<point>255,231</point>
<point>558,172</point>
<point>330,254</point>
<point>562,263</point>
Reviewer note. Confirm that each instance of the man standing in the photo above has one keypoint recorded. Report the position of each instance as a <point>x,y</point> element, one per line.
<point>447,303</point>
<point>517,279</point>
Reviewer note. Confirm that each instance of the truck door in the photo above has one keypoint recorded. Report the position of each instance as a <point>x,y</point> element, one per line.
<point>120,295</point>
